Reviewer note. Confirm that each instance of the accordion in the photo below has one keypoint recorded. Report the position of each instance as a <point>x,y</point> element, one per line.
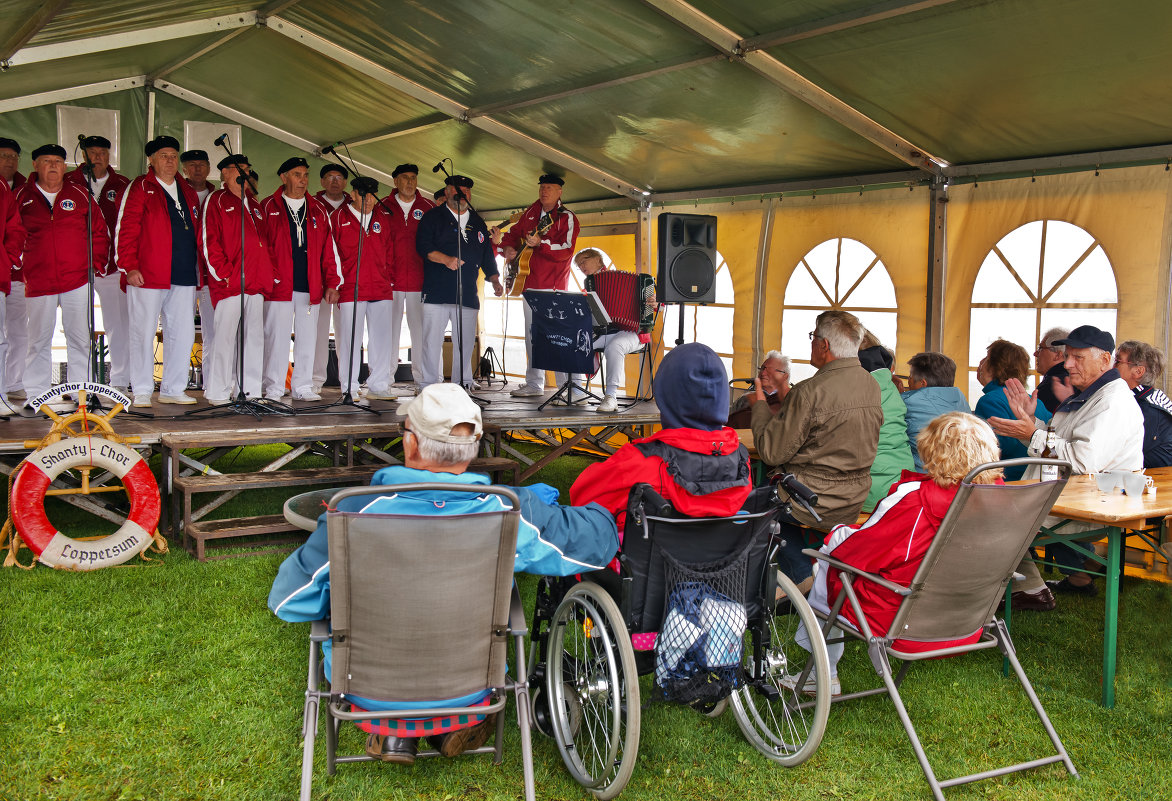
<point>629,299</point>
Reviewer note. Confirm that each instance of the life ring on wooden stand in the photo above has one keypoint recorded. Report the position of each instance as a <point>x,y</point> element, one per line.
<point>53,548</point>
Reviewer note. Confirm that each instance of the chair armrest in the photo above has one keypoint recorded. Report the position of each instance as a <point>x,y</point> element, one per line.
<point>517,624</point>
<point>319,631</point>
<point>854,571</point>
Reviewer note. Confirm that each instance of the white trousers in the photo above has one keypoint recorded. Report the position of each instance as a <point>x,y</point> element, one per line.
<point>207,327</point>
<point>281,317</point>
<point>3,350</point>
<point>436,318</point>
<point>535,377</point>
<point>144,307</point>
<point>16,334</point>
<point>220,377</point>
<point>115,322</point>
<point>615,348</point>
<point>321,352</point>
<point>42,322</point>
<point>374,317</point>
<point>411,305</point>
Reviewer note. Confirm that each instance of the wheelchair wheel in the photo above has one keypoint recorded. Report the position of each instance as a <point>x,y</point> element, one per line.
<point>783,719</point>
<point>592,689</point>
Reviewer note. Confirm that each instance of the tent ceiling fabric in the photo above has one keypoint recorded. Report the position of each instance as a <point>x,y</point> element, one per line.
<point>629,100</point>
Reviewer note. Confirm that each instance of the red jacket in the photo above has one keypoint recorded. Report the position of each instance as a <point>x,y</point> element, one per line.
<point>407,270</point>
<point>56,257</point>
<point>17,181</point>
<point>111,197</point>
<point>324,272</point>
<point>219,241</point>
<point>549,266</point>
<point>329,208</point>
<point>142,233</point>
<point>12,237</point>
<point>378,252</point>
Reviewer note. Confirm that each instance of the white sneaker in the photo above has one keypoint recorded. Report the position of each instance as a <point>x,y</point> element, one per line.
<point>473,386</point>
<point>7,409</point>
<point>790,681</point>
<point>181,399</point>
<point>386,396</point>
<point>217,401</point>
<point>275,398</point>
<point>609,404</point>
<point>141,402</point>
<point>306,396</point>
<point>527,391</point>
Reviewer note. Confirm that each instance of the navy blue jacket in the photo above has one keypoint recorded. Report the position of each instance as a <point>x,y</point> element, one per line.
<point>438,231</point>
<point>1157,411</point>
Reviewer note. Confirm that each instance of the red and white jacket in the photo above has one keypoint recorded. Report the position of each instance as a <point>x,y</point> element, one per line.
<point>219,242</point>
<point>549,266</point>
<point>407,269</point>
<point>110,198</point>
<point>142,233</point>
<point>12,237</point>
<point>378,252</point>
<point>56,257</point>
<point>329,207</point>
<point>17,181</point>
<point>325,271</point>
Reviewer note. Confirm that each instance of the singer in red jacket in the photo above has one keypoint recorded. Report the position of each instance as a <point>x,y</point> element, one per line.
<point>108,187</point>
<point>15,316</point>
<point>297,229</point>
<point>333,196</point>
<point>406,207</point>
<point>364,221</point>
<point>220,245</point>
<point>56,264</point>
<point>12,236</point>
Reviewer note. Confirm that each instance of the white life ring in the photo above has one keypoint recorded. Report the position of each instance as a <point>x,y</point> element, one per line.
<point>50,545</point>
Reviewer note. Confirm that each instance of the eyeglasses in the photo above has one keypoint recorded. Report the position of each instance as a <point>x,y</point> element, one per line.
<point>814,335</point>
<point>779,371</point>
<point>1125,364</point>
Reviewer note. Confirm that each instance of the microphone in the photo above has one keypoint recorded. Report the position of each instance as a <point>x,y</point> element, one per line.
<point>81,137</point>
<point>438,167</point>
<point>327,149</point>
<point>220,140</point>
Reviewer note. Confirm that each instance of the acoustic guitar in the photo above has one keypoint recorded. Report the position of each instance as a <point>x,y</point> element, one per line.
<point>517,272</point>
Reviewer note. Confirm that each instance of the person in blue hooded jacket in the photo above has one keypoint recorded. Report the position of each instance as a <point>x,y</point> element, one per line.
<point>441,435</point>
<point>930,393</point>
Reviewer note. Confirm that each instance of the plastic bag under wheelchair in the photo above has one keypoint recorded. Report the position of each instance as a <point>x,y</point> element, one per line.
<point>698,650</point>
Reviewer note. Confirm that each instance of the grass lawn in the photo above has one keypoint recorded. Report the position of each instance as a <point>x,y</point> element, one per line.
<point>171,680</point>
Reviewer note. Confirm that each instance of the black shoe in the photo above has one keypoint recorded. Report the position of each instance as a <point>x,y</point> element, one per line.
<point>1033,602</point>
<point>1067,588</point>
<point>400,750</point>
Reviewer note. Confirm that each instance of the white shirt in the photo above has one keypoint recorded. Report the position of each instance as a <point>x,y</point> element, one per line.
<point>50,196</point>
<point>362,218</point>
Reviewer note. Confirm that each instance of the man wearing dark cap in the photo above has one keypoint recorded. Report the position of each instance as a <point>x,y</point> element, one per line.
<point>1098,428</point>
<point>550,230</point>
<point>332,195</point>
<point>108,188</point>
<point>56,265</point>
<point>12,237</point>
<point>297,229</point>
<point>16,317</point>
<point>455,245</point>
<point>155,248</point>
<point>407,270</point>
<point>219,238</point>
<point>196,167</point>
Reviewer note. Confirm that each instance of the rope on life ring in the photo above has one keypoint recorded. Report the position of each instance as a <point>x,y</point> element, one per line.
<point>27,503</point>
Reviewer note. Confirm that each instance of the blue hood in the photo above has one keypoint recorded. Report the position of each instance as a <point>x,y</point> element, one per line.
<point>691,388</point>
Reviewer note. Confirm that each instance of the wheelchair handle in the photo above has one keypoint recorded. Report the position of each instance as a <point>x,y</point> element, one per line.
<point>797,491</point>
<point>648,501</point>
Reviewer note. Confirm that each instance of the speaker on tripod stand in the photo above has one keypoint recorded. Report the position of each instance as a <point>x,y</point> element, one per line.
<point>687,258</point>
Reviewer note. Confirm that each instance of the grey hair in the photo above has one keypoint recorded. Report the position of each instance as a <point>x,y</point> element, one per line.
<point>779,356</point>
<point>1151,357</point>
<point>1055,333</point>
<point>445,453</point>
<point>842,331</point>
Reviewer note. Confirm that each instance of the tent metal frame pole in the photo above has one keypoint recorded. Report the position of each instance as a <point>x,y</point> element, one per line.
<point>72,93</point>
<point>31,27</point>
<point>937,266</point>
<point>765,243</point>
<point>1098,159</point>
<point>839,22</point>
<point>417,125</point>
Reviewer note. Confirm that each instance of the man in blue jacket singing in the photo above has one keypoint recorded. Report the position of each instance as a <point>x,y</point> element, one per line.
<point>441,434</point>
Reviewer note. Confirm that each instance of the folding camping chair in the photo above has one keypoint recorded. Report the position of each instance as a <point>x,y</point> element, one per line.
<point>956,591</point>
<point>402,629</point>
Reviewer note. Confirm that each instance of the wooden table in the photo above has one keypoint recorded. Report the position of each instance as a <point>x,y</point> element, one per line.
<point>1116,514</point>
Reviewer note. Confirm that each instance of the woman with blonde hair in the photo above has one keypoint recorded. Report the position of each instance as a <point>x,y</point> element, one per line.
<point>895,538</point>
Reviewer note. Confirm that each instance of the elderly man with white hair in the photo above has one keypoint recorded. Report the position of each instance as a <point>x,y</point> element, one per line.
<point>774,375</point>
<point>441,434</point>
<point>1050,362</point>
<point>1098,428</point>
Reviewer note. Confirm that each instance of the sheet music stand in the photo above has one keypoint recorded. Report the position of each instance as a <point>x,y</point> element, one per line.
<point>563,338</point>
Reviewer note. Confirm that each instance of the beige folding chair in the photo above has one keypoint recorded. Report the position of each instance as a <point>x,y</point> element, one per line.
<point>421,608</point>
<point>956,591</point>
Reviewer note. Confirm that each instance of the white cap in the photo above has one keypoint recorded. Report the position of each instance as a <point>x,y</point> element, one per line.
<point>438,409</point>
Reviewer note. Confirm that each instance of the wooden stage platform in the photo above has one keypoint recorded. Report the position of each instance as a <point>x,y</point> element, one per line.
<point>355,441</point>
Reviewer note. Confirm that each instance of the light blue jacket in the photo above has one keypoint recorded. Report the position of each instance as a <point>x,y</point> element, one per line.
<point>926,404</point>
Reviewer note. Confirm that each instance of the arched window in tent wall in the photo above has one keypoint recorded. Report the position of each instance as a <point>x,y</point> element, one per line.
<point>839,273</point>
<point>711,323</point>
<point>1043,274</point>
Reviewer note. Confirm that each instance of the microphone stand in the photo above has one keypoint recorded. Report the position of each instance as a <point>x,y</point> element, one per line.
<point>242,404</point>
<point>362,187</point>
<point>459,332</point>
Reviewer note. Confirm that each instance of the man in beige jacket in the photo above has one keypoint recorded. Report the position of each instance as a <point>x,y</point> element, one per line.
<point>825,433</point>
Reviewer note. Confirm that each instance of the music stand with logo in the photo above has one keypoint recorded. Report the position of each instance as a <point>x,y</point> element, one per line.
<point>563,338</point>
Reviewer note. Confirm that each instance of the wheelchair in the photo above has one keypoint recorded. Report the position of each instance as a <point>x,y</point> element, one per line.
<point>584,669</point>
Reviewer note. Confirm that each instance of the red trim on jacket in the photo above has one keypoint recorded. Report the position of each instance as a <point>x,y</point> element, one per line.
<point>549,266</point>
<point>142,233</point>
<point>219,242</point>
<point>12,237</point>
<point>378,252</point>
<point>324,270</point>
<point>407,269</point>
<point>109,199</point>
<point>56,253</point>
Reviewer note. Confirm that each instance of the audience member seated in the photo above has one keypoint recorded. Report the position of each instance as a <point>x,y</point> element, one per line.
<point>1004,361</point>
<point>1141,365</point>
<point>826,433</point>
<point>695,461</point>
<point>774,377</point>
<point>1098,428</point>
<point>1050,362</point>
<point>930,394</point>
<point>441,434</point>
<point>895,538</point>
<point>893,455</point>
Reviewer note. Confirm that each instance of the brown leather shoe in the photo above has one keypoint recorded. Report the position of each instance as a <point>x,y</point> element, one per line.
<point>1036,602</point>
<point>457,742</point>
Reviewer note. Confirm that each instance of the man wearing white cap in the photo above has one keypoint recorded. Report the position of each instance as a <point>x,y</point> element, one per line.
<point>442,431</point>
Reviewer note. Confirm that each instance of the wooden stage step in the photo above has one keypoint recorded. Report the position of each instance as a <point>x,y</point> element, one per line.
<point>200,532</point>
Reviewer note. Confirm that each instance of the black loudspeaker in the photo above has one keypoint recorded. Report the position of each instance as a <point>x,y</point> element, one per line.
<point>687,258</point>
